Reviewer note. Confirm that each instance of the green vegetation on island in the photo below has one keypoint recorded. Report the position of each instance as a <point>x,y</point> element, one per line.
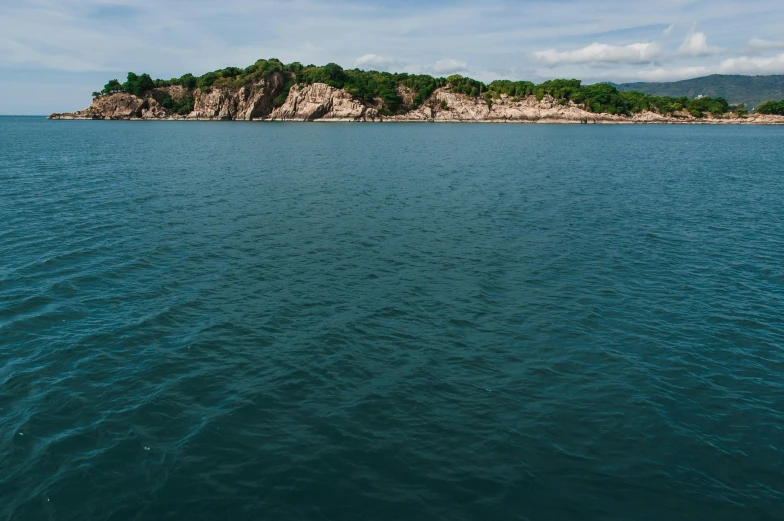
<point>400,92</point>
<point>181,107</point>
<point>775,108</point>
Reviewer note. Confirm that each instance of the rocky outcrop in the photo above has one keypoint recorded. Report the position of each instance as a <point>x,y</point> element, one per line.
<point>254,101</point>
<point>245,103</point>
<point>116,106</point>
<point>321,102</point>
<point>447,106</point>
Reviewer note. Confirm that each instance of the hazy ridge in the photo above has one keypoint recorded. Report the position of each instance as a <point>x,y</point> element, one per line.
<point>751,90</point>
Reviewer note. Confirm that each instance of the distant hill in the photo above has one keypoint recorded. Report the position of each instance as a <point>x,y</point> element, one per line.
<point>751,90</point>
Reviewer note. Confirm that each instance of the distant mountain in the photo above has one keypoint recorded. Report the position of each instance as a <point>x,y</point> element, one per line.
<point>751,90</point>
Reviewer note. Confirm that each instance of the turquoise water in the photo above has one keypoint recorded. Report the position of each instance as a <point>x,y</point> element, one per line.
<point>380,322</point>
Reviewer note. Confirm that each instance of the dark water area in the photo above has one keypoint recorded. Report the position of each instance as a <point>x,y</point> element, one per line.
<point>227,321</point>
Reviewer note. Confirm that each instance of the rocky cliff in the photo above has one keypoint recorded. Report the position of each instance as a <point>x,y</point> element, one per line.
<point>320,102</point>
<point>254,101</point>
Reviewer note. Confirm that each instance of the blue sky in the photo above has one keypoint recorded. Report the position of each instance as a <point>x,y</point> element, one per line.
<point>54,53</point>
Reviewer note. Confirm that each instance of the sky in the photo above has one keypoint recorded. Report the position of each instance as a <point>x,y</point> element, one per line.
<point>55,53</point>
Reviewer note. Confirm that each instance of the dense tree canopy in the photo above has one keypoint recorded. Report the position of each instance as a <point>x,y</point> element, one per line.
<point>772,107</point>
<point>401,92</point>
<point>138,85</point>
<point>182,107</point>
<point>112,87</point>
<point>515,89</point>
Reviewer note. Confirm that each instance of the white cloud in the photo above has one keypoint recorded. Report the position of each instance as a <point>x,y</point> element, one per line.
<point>741,65</point>
<point>484,38</point>
<point>760,45</point>
<point>449,66</point>
<point>756,65</point>
<point>15,53</point>
<point>601,53</point>
<point>696,44</point>
<point>674,74</point>
<point>374,61</point>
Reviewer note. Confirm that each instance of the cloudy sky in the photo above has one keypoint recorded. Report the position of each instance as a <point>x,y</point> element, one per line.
<point>54,53</point>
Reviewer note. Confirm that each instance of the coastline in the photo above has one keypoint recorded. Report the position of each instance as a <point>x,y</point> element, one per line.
<point>320,102</point>
<point>767,121</point>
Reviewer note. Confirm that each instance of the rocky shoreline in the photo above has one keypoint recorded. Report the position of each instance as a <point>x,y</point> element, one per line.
<point>321,102</point>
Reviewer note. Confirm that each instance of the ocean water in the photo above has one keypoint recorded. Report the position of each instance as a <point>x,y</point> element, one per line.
<point>228,321</point>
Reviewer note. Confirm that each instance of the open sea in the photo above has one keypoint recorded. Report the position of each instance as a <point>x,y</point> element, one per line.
<point>359,322</point>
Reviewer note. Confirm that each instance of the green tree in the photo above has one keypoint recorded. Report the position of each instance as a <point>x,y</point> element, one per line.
<point>187,81</point>
<point>112,87</point>
<point>206,81</point>
<point>771,107</point>
<point>182,107</point>
<point>138,85</point>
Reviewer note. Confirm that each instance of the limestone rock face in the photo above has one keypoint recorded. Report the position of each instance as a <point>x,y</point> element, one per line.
<point>245,103</point>
<point>216,104</point>
<point>320,101</point>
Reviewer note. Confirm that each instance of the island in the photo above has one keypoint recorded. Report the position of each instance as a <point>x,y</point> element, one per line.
<point>270,90</point>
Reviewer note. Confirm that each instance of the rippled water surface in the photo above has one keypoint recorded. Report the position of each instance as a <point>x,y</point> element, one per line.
<point>226,321</point>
